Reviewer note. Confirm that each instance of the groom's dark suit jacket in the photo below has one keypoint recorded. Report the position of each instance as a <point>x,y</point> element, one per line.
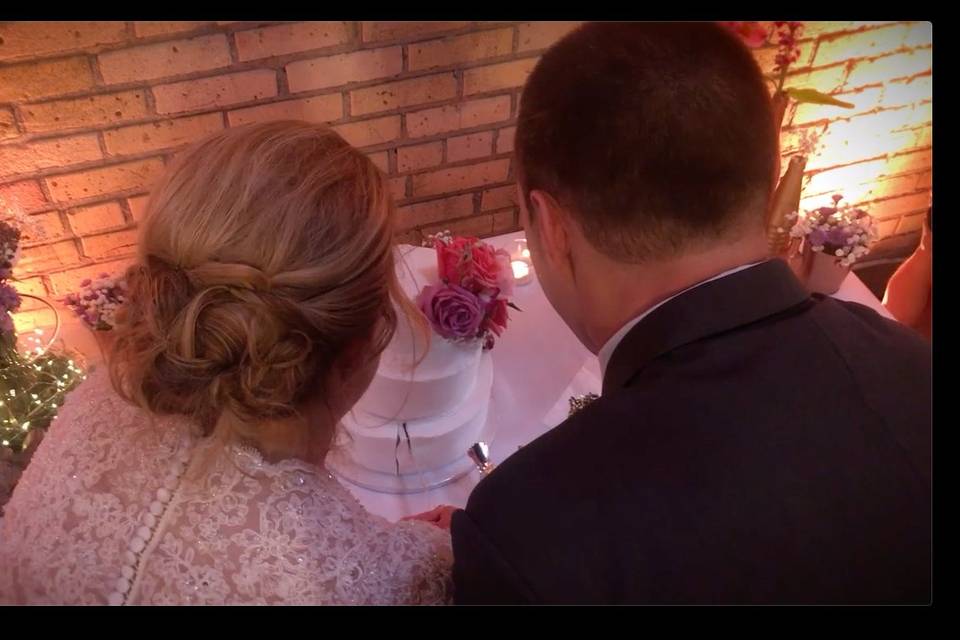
<point>753,444</point>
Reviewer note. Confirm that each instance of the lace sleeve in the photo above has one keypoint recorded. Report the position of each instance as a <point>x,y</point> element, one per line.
<point>415,564</point>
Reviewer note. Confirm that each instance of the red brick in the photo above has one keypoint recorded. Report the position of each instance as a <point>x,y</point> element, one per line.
<point>69,281</point>
<point>909,224</point>
<point>460,49</point>
<point>542,34</point>
<point>826,80</point>
<point>504,222</point>
<point>891,187</point>
<point>149,29</point>
<point>215,92</point>
<point>165,134</point>
<point>887,228</point>
<point>914,90</point>
<point>22,196</point>
<point>39,38</point>
<point>925,180</point>
<point>367,133</point>
<point>381,160</point>
<point>45,154</point>
<point>379,31</point>
<point>282,39</point>
<point>411,237</point>
<point>345,68</point>
<point>432,211</point>
<point>887,68</point>
<point>464,115</point>
<point>92,111</point>
<point>398,188</point>
<point>45,257</point>
<point>505,140</point>
<point>110,245</point>
<point>477,225</point>
<point>137,206</point>
<point>495,77</point>
<point>908,162</point>
<point>44,79</point>
<point>861,138</point>
<point>817,28</point>
<point>499,198</point>
<point>851,181</point>
<point>872,42</point>
<point>96,218</point>
<point>406,93</point>
<point>896,207</point>
<point>105,180</point>
<point>319,109</point>
<point>470,146</point>
<point>31,286</point>
<point>460,178</point>
<point>863,100</point>
<point>421,156</point>
<point>920,34</point>
<point>8,124</point>
<point>165,59</point>
<point>43,227</point>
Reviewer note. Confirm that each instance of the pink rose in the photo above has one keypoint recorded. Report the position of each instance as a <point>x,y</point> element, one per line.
<point>452,257</point>
<point>475,265</point>
<point>489,269</point>
<point>454,312</point>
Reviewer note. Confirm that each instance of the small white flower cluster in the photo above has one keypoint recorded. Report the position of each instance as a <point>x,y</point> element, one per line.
<point>10,254</point>
<point>98,301</point>
<point>444,236</point>
<point>847,233</point>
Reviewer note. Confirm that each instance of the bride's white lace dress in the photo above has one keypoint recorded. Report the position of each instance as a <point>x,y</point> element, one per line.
<point>118,508</point>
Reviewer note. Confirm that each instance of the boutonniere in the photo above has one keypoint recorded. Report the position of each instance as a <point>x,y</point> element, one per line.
<point>578,403</point>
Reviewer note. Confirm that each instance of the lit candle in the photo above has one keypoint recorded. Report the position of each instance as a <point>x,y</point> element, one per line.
<point>520,262</point>
<point>521,271</point>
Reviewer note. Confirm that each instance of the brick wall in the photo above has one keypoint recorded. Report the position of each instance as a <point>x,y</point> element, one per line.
<point>91,112</point>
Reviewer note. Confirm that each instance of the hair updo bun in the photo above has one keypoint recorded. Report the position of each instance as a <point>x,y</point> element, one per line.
<point>265,252</point>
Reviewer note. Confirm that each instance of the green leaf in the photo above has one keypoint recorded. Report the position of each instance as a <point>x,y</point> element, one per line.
<point>813,96</point>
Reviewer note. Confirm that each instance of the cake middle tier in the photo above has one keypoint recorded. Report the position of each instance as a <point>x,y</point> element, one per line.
<point>404,389</point>
<point>426,444</point>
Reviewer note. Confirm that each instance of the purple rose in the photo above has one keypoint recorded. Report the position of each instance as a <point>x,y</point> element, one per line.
<point>837,237</point>
<point>817,238</point>
<point>453,311</point>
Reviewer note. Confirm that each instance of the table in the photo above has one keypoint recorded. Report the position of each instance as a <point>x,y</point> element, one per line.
<point>538,364</point>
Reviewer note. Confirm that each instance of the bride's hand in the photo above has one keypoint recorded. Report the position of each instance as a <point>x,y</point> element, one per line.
<point>438,516</point>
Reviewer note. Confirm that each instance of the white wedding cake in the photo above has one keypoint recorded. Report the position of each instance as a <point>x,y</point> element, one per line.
<point>427,404</point>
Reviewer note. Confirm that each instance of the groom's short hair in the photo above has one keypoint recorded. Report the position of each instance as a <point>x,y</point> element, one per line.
<point>654,136</point>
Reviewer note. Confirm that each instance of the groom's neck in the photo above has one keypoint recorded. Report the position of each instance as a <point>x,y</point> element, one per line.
<point>615,293</point>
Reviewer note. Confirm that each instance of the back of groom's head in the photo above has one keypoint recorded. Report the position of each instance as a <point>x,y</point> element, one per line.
<point>654,136</point>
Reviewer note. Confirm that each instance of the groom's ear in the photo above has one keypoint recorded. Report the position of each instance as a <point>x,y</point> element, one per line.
<point>552,224</point>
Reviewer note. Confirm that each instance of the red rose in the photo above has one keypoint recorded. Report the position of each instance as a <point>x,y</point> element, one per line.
<point>496,317</point>
<point>753,34</point>
<point>452,258</point>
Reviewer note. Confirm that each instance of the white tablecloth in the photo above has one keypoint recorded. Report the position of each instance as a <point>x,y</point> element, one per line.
<point>538,365</point>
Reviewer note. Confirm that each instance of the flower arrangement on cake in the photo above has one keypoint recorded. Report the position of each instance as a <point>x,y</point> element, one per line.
<point>470,301</point>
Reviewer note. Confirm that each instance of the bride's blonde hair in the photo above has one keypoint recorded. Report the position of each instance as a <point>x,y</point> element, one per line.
<point>264,262</point>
